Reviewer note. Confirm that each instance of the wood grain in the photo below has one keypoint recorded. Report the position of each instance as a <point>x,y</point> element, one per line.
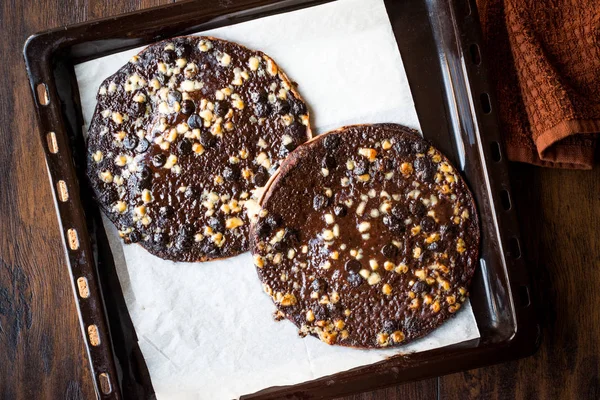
<point>565,206</point>
<point>41,350</point>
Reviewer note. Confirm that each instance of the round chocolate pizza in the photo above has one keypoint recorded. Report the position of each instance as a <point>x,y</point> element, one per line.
<point>367,237</point>
<point>184,137</point>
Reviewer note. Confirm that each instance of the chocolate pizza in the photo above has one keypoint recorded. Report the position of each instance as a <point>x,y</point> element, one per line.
<point>184,137</point>
<point>367,237</point>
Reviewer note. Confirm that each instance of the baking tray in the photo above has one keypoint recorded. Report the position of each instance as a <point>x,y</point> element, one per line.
<point>438,41</point>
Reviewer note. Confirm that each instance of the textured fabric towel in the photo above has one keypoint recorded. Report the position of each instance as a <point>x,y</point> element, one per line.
<point>544,57</point>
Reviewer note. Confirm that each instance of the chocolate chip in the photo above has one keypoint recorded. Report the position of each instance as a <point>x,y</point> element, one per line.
<point>340,210</point>
<point>263,230</point>
<point>259,96</point>
<point>402,147</point>
<point>109,196</point>
<point>130,142</point>
<point>331,141</point>
<point>412,326</point>
<point>418,209</point>
<point>184,240</point>
<point>158,160</point>
<point>320,202</point>
<point>182,50</point>
<point>210,249</point>
<point>142,146</point>
<point>319,285</point>
<point>191,192</point>
<point>335,310</point>
<point>291,236</point>
<point>169,56</point>
<point>231,173</point>
<point>173,96</point>
<point>353,266</point>
<point>361,167</point>
<point>274,220</point>
<point>419,287</point>
<point>261,179</point>
<point>389,251</point>
<point>184,146</point>
<point>281,107</point>
<point>279,246</point>
<point>221,108</point>
<point>384,165</point>
<point>166,211</point>
<point>419,146</point>
<point>329,162</point>
<point>395,225</point>
<point>390,326</point>
<point>399,212</point>
<point>291,146</point>
<point>207,139</point>
<point>162,79</point>
<point>324,250</point>
<point>194,121</point>
<point>297,107</point>
<point>321,313</point>
<point>428,224</point>
<point>145,173</point>
<point>355,280</point>
<point>433,246</point>
<point>262,110</point>
<point>424,169</point>
<point>216,224</point>
<point>297,131</point>
<point>135,236</point>
<point>447,231</point>
<point>160,238</point>
<point>138,109</point>
<point>188,107</point>
<point>143,182</point>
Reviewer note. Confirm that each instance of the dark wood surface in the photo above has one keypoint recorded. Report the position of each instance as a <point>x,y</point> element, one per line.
<point>41,350</point>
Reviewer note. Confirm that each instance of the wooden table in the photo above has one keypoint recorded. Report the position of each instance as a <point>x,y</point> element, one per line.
<point>41,349</point>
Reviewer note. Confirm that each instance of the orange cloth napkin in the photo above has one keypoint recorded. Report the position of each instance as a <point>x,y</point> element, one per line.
<point>544,57</point>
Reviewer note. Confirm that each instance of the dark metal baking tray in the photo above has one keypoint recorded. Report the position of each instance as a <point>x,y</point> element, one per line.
<point>438,41</point>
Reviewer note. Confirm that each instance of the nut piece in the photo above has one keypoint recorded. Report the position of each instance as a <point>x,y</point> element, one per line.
<point>374,279</point>
<point>397,336</point>
<point>368,153</point>
<point>253,63</point>
<point>259,261</point>
<point>233,223</point>
<point>364,227</point>
<point>386,289</point>
<point>286,300</point>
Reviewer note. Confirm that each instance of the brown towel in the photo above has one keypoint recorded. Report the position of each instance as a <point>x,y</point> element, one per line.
<point>544,56</point>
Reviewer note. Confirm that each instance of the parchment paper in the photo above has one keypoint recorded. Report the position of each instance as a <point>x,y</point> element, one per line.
<point>206,330</point>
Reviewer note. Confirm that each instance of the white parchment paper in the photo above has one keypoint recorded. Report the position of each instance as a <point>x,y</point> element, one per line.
<point>206,330</point>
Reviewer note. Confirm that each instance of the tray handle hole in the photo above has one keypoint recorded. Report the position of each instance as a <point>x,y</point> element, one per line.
<point>496,153</point>
<point>524,298</point>
<point>63,193</point>
<point>73,239</point>
<point>486,106</point>
<point>93,335</point>
<point>514,247</point>
<point>52,143</point>
<point>42,94</point>
<point>475,54</point>
<point>105,385</point>
<point>82,286</point>
<point>505,199</point>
